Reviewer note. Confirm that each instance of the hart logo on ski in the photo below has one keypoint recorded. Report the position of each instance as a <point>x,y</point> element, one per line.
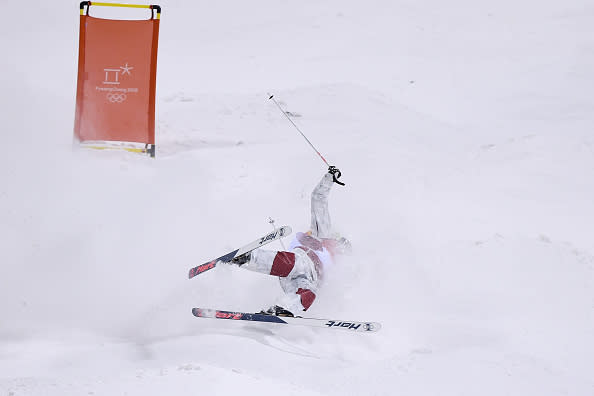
<point>349,325</point>
<point>201,268</point>
<point>269,237</point>
<point>228,315</point>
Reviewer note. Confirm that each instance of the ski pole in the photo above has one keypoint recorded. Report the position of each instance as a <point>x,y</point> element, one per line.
<point>332,169</point>
<point>296,127</point>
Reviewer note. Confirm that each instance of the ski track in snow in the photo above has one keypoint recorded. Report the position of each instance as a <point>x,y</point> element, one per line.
<point>463,131</point>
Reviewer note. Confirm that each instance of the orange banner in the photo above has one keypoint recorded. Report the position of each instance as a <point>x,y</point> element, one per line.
<point>117,70</point>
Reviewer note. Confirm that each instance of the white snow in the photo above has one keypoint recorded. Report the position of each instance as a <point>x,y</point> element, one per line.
<point>464,133</point>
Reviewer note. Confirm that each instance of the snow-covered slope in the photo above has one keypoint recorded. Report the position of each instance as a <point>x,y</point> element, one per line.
<point>463,131</point>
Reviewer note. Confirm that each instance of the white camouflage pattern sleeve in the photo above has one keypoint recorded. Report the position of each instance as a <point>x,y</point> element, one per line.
<point>321,226</point>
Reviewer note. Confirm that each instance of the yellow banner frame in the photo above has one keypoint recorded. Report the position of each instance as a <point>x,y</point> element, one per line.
<point>88,4</point>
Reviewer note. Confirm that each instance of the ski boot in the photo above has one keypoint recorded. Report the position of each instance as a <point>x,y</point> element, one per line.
<point>275,310</point>
<point>241,259</point>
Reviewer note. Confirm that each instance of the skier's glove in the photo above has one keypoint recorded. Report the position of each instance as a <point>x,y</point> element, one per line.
<point>335,172</point>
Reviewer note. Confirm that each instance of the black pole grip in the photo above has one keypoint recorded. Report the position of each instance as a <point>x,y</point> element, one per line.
<point>335,175</point>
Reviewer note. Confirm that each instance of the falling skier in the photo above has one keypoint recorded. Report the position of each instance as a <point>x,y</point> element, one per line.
<point>301,269</point>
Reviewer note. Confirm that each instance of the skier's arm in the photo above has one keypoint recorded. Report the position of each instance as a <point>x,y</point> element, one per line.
<point>321,226</point>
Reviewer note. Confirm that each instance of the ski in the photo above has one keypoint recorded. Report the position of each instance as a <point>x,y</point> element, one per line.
<point>353,326</point>
<point>266,239</point>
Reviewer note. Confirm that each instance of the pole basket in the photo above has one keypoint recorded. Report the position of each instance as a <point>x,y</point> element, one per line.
<point>117,70</point>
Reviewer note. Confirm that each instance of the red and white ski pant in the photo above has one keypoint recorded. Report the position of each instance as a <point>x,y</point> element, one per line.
<point>296,272</point>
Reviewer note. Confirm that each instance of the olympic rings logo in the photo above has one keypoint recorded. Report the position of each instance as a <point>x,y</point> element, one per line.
<point>116,97</point>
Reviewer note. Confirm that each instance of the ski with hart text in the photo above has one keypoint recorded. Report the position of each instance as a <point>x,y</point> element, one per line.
<point>352,326</point>
<point>266,239</point>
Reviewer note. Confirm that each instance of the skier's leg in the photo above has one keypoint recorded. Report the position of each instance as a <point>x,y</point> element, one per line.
<point>297,274</point>
<point>321,225</point>
<point>299,295</point>
<point>271,262</point>
<point>300,286</point>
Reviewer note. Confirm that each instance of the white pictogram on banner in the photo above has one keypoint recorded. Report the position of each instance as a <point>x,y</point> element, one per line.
<point>112,76</point>
<point>126,69</point>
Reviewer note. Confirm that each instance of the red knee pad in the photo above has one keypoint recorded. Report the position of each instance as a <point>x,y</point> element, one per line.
<point>283,264</point>
<point>307,297</point>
